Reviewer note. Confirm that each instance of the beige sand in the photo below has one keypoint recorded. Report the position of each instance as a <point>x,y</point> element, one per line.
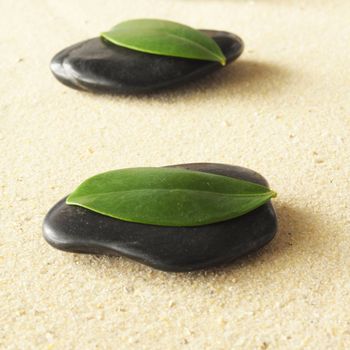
<point>283,110</point>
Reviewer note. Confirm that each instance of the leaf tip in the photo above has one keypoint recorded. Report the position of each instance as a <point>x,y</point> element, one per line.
<point>70,199</point>
<point>223,61</point>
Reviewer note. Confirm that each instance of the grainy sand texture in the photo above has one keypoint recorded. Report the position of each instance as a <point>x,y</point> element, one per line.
<point>283,109</point>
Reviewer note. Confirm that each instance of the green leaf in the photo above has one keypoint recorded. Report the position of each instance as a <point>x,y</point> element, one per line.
<point>169,196</point>
<point>165,38</point>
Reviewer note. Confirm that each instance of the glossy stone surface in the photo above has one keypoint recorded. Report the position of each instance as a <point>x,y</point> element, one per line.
<point>97,65</point>
<point>76,229</point>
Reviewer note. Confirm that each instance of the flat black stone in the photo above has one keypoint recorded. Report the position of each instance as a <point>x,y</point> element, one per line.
<point>79,230</point>
<point>100,66</point>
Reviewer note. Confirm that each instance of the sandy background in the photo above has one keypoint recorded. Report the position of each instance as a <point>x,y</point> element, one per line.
<point>283,109</point>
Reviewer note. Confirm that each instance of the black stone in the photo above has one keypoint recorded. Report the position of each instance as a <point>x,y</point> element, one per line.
<point>79,230</point>
<point>98,65</point>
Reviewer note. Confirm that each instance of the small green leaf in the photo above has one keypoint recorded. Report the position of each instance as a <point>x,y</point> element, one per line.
<point>165,38</point>
<point>169,196</point>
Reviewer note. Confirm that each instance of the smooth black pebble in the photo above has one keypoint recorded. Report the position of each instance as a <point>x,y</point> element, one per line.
<point>76,229</point>
<point>100,66</point>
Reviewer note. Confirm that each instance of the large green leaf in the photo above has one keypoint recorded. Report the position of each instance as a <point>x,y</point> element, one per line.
<point>165,38</point>
<point>169,196</point>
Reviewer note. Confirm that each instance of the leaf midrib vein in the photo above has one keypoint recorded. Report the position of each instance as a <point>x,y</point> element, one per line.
<point>157,52</point>
<point>196,44</point>
<point>181,189</point>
